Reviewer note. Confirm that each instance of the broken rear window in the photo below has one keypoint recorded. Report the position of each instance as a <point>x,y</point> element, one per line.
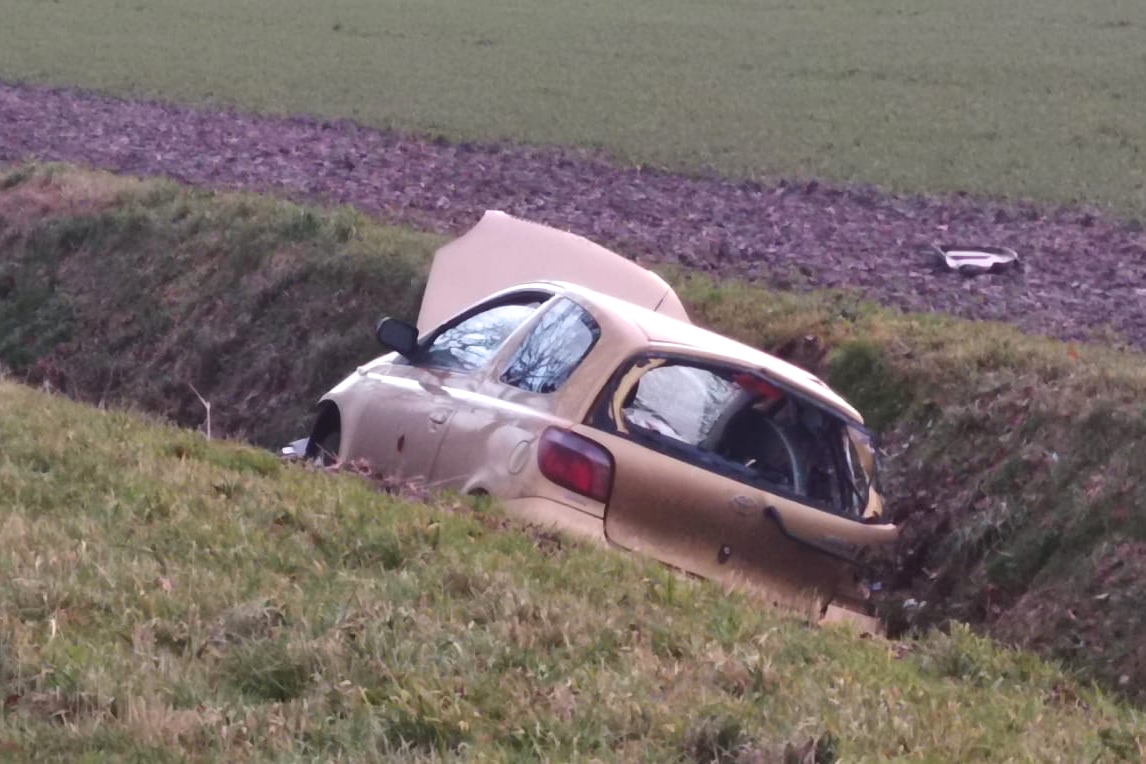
<point>740,424</point>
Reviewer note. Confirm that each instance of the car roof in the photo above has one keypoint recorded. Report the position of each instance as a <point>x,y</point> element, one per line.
<point>672,335</point>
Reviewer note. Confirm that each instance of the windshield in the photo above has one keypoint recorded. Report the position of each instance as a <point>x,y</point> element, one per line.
<point>749,427</point>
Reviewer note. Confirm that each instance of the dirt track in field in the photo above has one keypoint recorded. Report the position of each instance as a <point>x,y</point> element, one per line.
<point>1082,273</point>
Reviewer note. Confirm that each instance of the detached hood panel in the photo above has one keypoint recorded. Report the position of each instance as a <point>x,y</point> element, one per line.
<point>502,251</point>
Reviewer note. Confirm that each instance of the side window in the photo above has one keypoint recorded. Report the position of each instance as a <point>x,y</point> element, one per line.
<point>682,402</point>
<point>739,424</point>
<point>562,338</point>
<point>472,342</point>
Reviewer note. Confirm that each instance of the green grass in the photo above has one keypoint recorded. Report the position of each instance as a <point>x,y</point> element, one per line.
<point>150,293</point>
<point>1014,457</point>
<point>165,597</point>
<point>1040,98</point>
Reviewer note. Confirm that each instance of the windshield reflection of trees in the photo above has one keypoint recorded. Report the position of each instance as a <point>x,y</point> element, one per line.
<point>561,339</point>
<point>474,341</point>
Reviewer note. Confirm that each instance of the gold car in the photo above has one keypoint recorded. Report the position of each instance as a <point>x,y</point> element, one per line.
<point>568,382</point>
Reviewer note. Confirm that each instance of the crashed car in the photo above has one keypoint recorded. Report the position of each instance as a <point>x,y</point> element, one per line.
<point>568,382</point>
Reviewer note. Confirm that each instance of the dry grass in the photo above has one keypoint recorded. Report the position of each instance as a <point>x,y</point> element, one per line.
<point>30,195</point>
<point>293,295</point>
<point>165,597</point>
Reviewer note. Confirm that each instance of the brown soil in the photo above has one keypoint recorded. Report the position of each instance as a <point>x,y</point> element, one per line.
<point>1084,274</point>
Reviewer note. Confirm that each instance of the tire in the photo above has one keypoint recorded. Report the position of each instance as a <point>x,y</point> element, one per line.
<point>326,437</point>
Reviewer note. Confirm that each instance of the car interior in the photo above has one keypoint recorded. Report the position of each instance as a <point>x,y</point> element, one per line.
<point>747,428</point>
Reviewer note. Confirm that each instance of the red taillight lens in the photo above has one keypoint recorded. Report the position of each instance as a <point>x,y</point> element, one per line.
<point>576,463</point>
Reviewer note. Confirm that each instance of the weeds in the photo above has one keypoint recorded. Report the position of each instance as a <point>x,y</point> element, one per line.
<point>294,294</point>
<point>265,670</point>
<point>875,386</point>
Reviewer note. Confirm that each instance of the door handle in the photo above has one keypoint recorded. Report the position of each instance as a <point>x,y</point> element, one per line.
<point>439,417</point>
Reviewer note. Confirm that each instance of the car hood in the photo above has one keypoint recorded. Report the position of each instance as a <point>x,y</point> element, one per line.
<point>502,251</point>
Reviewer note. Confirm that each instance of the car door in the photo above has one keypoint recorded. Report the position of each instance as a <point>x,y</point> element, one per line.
<point>495,424</point>
<point>673,499</point>
<point>411,402</point>
<point>713,527</point>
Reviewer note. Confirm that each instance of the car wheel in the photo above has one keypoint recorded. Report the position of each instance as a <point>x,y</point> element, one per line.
<point>326,437</point>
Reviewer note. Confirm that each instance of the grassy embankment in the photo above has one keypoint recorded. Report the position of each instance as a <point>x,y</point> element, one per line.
<point>162,596</point>
<point>1039,98</point>
<point>145,292</point>
<point>1013,457</point>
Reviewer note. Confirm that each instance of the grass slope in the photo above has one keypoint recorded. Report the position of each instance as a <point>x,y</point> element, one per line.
<point>1012,458</point>
<point>1039,98</point>
<point>165,597</point>
<point>114,289</point>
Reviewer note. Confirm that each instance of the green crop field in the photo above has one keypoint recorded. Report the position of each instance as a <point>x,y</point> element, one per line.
<point>1041,99</point>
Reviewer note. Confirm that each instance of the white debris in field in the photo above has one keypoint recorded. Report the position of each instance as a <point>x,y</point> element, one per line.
<point>974,261</point>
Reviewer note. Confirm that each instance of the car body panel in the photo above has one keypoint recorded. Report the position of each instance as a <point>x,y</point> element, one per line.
<point>711,526</point>
<point>503,251</point>
<point>476,428</point>
<point>414,403</point>
<point>662,331</point>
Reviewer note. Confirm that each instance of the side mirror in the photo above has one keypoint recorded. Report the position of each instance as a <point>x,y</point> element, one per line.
<point>397,335</point>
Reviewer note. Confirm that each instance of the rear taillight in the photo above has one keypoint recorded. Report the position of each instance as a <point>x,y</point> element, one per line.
<point>576,463</point>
